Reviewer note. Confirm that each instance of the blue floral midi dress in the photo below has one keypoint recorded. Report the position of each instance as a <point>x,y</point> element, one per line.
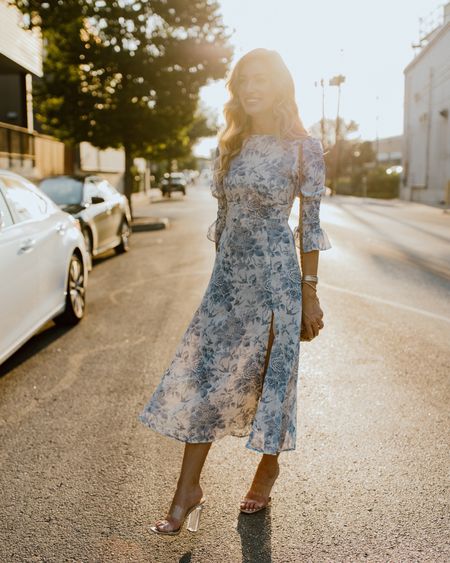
<point>214,385</point>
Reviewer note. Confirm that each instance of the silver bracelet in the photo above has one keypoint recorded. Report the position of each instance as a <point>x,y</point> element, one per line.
<point>310,277</point>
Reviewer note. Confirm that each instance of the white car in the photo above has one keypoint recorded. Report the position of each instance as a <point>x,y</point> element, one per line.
<point>43,263</point>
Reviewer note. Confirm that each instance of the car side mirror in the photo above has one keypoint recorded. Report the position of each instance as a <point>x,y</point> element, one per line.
<point>97,199</point>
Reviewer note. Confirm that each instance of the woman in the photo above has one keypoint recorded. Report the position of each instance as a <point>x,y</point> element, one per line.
<point>235,369</point>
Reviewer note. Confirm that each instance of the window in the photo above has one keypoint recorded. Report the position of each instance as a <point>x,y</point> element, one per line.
<point>27,204</point>
<point>5,212</point>
<point>63,190</point>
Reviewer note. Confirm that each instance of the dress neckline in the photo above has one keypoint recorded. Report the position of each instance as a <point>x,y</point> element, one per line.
<point>261,135</point>
<point>275,137</point>
<point>265,137</point>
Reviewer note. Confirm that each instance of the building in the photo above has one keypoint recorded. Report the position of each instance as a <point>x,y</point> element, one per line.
<point>388,150</point>
<point>426,143</point>
<point>25,150</point>
<point>20,60</point>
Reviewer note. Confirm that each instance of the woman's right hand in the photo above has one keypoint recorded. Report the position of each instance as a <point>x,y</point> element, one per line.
<point>312,315</point>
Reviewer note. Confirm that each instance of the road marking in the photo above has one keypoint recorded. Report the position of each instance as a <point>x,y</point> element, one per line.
<point>387,302</point>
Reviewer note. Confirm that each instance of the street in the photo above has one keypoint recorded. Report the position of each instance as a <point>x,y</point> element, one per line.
<point>82,479</point>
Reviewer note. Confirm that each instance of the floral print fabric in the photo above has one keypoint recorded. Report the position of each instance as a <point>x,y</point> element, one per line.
<point>215,383</point>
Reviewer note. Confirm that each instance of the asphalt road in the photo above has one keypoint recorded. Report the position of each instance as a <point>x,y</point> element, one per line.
<point>82,479</point>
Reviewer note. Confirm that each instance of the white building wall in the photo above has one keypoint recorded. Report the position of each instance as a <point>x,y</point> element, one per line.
<point>109,163</point>
<point>21,46</point>
<point>426,148</point>
<point>389,149</point>
<point>93,159</point>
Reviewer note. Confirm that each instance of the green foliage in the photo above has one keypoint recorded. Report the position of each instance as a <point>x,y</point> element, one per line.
<point>382,185</point>
<point>355,160</point>
<point>126,73</point>
<point>180,147</point>
<point>329,130</point>
<point>359,155</point>
<point>123,73</point>
<point>345,186</point>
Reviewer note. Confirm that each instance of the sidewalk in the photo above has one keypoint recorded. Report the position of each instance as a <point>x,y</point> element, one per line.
<point>144,218</point>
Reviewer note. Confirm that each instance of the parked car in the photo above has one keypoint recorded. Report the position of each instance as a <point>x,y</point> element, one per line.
<point>43,263</point>
<point>173,182</point>
<point>103,212</point>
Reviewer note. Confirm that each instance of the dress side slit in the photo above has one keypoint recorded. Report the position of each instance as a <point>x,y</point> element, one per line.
<point>269,347</point>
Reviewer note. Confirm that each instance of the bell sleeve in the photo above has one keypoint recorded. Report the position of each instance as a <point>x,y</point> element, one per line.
<point>311,185</point>
<point>215,229</point>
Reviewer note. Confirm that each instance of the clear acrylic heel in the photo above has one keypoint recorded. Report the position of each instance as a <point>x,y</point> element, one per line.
<point>193,522</point>
<point>192,516</point>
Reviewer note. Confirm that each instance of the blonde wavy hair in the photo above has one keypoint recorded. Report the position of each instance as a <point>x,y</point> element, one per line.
<point>237,122</point>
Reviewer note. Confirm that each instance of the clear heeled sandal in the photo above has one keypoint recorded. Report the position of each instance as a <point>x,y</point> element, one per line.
<point>192,515</point>
<point>266,500</point>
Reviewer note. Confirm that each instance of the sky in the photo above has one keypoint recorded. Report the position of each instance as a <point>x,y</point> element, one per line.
<point>368,42</point>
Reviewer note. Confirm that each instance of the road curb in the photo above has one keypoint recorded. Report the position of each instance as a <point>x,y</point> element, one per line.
<point>140,224</point>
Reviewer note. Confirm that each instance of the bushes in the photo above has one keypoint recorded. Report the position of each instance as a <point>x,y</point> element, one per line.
<point>345,186</point>
<point>378,183</point>
<point>382,185</point>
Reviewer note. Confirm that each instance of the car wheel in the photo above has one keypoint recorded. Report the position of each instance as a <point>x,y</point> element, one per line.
<point>124,244</point>
<point>76,294</point>
<point>184,191</point>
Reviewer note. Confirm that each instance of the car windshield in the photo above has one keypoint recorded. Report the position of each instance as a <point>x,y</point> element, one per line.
<point>63,190</point>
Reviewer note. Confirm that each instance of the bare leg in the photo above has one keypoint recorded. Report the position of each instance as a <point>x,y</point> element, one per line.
<point>265,476</point>
<point>188,490</point>
<point>268,468</point>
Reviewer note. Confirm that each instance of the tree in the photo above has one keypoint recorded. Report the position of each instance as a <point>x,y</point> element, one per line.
<point>345,129</point>
<point>204,124</point>
<point>127,73</point>
<point>338,153</point>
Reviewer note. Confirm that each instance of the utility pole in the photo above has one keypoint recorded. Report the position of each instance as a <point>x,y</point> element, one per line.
<point>322,121</point>
<point>377,140</point>
<point>336,81</point>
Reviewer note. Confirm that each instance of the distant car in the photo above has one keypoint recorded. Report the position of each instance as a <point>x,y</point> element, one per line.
<point>103,212</point>
<point>397,169</point>
<point>173,182</point>
<point>44,263</point>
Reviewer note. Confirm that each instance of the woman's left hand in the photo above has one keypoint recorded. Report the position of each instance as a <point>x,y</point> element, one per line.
<point>312,315</point>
